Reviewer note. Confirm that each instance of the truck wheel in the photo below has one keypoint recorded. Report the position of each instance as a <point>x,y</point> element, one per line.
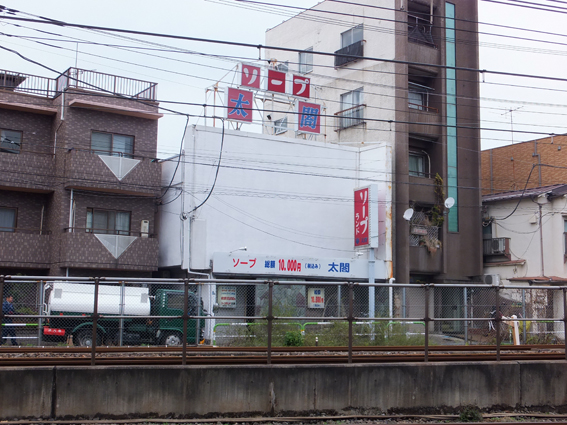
<point>84,338</point>
<point>172,339</point>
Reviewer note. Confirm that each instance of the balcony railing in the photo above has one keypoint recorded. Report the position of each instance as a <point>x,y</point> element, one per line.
<point>350,53</point>
<point>77,78</point>
<point>112,84</point>
<point>496,247</point>
<point>27,83</point>
<point>419,31</point>
<point>350,117</point>
<point>24,231</point>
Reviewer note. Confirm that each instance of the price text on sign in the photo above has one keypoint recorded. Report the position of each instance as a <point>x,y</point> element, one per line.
<point>289,265</point>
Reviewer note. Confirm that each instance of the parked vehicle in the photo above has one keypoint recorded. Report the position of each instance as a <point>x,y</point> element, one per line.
<point>69,300</point>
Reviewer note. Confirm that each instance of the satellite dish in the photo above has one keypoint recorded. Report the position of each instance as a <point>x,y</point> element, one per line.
<point>408,214</point>
<point>449,202</point>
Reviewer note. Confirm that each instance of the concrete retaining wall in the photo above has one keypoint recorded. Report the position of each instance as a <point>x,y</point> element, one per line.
<point>198,391</point>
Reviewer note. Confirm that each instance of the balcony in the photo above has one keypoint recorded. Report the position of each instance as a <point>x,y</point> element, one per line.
<point>423,261</point>
<point>78,79</point>
<point>27,170</point>
<point>111,84</point>
<point>89,171</point>
<point>419,31</point>
<point>350,53</point>
<point>349,117</point>
<point>25,248</point>
<point>81,249</point>
<point>496,249</point>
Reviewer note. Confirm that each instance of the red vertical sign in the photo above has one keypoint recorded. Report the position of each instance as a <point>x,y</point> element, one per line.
<point>276,81</point>
<point>250,76</point>
<point>239,105</point>
<point>361,222</point>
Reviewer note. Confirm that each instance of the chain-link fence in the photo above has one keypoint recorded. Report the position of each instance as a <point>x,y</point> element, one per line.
<point>267,313</point>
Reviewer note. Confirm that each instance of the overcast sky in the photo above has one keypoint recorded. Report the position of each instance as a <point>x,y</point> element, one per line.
<point>184,77</point>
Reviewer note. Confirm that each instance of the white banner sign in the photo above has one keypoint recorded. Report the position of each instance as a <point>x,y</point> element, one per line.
<point>243,263</point>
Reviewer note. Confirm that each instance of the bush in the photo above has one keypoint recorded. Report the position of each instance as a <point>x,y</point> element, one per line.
<point>293,339</point>
<point>470,414</point>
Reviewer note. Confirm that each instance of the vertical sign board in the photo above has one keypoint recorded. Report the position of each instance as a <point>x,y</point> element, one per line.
<point>366,217</point>
<point>301,86</point>
<point>227,296</point>
<point>308,118</point>
<point>276,81</point>
<point>239,105</point>
<point>316,298</point>
<point>250,76</point>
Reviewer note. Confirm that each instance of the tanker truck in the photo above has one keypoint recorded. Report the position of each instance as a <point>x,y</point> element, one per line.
<point>134,304</point>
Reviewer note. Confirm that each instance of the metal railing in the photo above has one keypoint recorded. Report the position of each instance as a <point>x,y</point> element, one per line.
<point>112,84</point>
<point>27,83</point>
<point>270,313</point>
<point>350,117</point>
<point>350,53</point>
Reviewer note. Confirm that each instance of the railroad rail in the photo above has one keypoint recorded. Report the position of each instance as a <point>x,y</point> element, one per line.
<point>162,355</point>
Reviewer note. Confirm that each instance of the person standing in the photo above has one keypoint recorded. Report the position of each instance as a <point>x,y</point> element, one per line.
<point>8,332</point>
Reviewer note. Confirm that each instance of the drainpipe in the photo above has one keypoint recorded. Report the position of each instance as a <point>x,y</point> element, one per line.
<point>371,281</point>
<point>71,201</point>
<point>541,240</point>
<point>391,298</point>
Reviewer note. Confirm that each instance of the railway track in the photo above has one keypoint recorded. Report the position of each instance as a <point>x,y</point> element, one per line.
<point>117,356</point>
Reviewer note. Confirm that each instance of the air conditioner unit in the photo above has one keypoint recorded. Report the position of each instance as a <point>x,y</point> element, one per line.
<point>492,279</point>
<point>145,228</point>
<point>498,246</point>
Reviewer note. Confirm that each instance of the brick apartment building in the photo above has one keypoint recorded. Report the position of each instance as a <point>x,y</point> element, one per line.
<point>507,168</point>
<point>79,183</point>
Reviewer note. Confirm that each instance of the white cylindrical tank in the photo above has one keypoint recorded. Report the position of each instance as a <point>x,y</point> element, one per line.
<point>79,298</point>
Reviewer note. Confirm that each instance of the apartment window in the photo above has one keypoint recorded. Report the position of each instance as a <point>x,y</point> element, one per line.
<point>108,222</point>
<point>306,61</point>
<point>10,141</point>
<point>112,144</point>
<point>8,219</point>
<point>351,36</point>
<point>418,163</point>
<point>280,126</point>
<point>418,97</point>
<point>352,109</point>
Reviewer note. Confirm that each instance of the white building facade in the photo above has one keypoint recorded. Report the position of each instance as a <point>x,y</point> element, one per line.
<point>253,206</point>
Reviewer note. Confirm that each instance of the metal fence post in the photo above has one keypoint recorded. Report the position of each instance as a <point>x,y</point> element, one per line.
<point>40,320</point>
<point>564,320</point>
<point>95,321</point>
<point>121,309</point>
<point>2,310</point>
<point>524,315</point>
<point>498,320</point>
<point>350,318</point>
<point>185,319</point>
<point>465,297</point>
<point>426,319</point>
<point>198,314</point>
<point>270,318</point>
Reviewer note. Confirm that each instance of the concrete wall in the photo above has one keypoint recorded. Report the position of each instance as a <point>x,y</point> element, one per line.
<point>195,391</point>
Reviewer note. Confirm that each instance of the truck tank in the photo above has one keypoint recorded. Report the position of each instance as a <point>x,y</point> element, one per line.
<point>79,298</point>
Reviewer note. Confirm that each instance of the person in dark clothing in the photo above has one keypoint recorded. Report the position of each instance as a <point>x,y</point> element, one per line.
<point>8,332</point>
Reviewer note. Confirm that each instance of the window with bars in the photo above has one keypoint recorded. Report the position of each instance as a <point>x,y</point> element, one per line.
<point>352,109</point>
<point>108,222</point>
<point>10,141</point>
<point>112,144</point>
